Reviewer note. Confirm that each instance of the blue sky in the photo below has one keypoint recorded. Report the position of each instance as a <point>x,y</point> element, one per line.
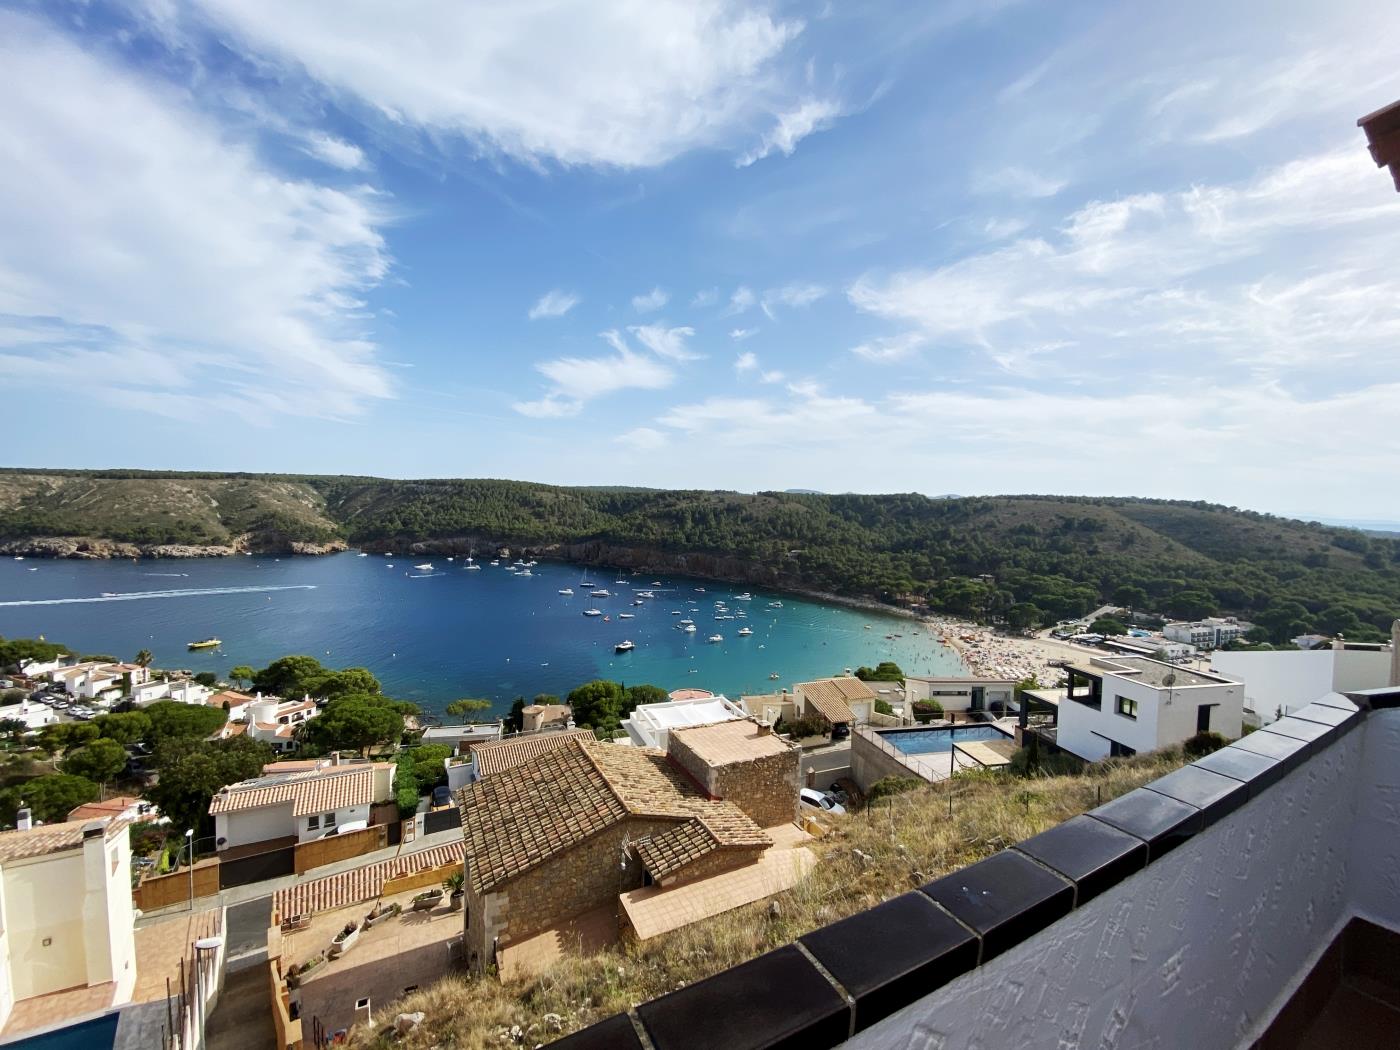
<point>985,247</point>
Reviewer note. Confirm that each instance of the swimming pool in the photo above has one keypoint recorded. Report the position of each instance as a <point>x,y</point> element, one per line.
<point>939,741</point>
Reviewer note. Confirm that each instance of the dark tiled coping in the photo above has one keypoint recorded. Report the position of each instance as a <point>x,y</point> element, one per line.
<point>1004,898</point>
<point>1089,853</point>
<point>921,948</point>
<point>865,967</point>
<point>777,1000</point>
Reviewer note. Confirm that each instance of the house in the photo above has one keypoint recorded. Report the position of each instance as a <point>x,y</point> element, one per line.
<point>275,721</point>
<point>179,690</point>
<point>995,696</point>
<point>33,715</point>
<point>1276,683</point>
<point>1120,705</point>
<point>301,806</point>
<point>92,681</point>
<point>460,738</point>
<point>237,702</point>
<point>649,725</point>
<point>538,717</point>
<point>1213,632</point>
<point>577,827</point>
<point>66,920</point>
<point>128,808</point>
<point>769,707</point>
<point>840,701</point>
<point>488,759</point>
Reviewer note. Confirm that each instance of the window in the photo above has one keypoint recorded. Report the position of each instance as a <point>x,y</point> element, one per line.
<point>1127,707</point>
<point>1117,750</point>
<point>328,820</point>
<point>313,823</point>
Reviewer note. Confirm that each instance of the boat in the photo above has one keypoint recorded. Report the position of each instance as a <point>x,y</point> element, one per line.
<point>745,631</point>
<point>207,643</point>
<point>471,566</point>
<point>687,621</point>
<point>773,677</point>
<point>675,612</point>
<point>601,592</point>
<point>362,554</point>
<point>867,627</point>
<point>592,612</point>
<point>699,590</point>
<point>607,619</point>
<point>775,605</point>
<point>646,594</point>
<point>638,601</point>
<point>496,562</point>
<point>450,558</point>
<point>689,628</point>
<point>109,594</point>
<point>624,647</point>
<point>745,597</point>
<point>524,572</point>
<point>623,582</point>
<point>716,638</point>
<point>656,583</point>
<point>566,590</point>
<point>19,557</point>
<point>626,616</point>
<point>427,566</point>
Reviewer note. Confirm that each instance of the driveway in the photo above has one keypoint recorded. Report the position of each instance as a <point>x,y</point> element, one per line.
<point>247,926</point>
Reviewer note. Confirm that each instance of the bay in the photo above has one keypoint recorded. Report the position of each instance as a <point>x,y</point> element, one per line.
<point>433,636</point>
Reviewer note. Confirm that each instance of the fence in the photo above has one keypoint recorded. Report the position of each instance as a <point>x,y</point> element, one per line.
<point>441,820</point>
<point>161,891</point>
<point>313,854</point>
<point>190,999</point>
<point>239,869</point>
<point>418,880</point>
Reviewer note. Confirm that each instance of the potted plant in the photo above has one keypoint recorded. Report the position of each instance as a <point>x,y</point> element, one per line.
<point>427,900</point>
<point>453,884</point>
<point>343,941</point>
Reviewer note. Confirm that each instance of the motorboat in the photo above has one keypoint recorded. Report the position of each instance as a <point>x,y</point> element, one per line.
<point>207,643</point>
<point>745,631</point>
<point>699,590</point>
<point>566,590</point>
<point>716,638</point>
<point>472,565</point>
<point>601,592</point>
<point>496,562</point>
<point>775,605</point>
<point>745,597</point>
<point>687,622</point>
<point>773,677</point>
<point>646,594</point>
<point>427,566</point>
<point>624,647</point>
<point>607,619</point>
<point>689,628</point>
<point>362,554</point>
<point>638,601</point>
<point>524,572</point>
<point>592,612</point>
<point>656,583</point>
<point>626,616</point>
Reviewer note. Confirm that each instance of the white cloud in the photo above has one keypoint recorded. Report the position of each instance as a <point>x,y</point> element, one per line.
<point>554,303</point>
<point>746,362</point>
<point>1000,229</point>
<point>740,334</point>
<point>577,380</point>
<point>1015,181</point>
<point>813,114</point>
<point>602,82</point>
<point>650,301</point>
<point>742,300</point>
<point>336,152</point>
<point>148,232</point>
<point>794,295</point>
<point>1281,268</point>
<point>705,297</point>
<point>643,439</point>
<point>774,376</point>
<point>667,342</point>
<point>890,348</point>
<point>551,406</point>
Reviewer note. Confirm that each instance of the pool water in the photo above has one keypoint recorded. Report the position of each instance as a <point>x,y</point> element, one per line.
<point>936,741</point>
<point>97,1034</point>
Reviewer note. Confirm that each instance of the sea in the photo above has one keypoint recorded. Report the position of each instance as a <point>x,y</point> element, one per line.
<point>432,635</point>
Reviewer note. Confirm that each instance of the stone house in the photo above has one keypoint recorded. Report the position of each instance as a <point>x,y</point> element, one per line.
<point>568,830</point>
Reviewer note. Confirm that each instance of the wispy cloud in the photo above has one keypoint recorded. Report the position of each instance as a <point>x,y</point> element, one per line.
<point>336,152</point>
<point>554,303</point>
<point>793,295</point>
<point>578,380</point>
<point>812,115</point>
<point>890,348</point>
<point>1014,181</point>
<point>704,297</point>
<point>740,334</point>
<point>643,439</point>
<point>651,301</point>
<point>746,362</point>
<point>667,342</point>
<point>741,301</point>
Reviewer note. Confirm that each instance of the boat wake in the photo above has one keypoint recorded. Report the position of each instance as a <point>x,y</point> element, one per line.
<point>165,574</point>
<point>193,592</point>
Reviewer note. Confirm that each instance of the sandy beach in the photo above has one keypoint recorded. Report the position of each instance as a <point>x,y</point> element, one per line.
<point>987,654</point>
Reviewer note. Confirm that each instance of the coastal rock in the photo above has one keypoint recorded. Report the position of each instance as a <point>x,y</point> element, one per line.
<point>86,547</point>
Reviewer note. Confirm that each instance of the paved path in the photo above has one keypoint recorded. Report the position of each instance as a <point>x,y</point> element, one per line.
<point>242,1020</point>
<point>235,895</point>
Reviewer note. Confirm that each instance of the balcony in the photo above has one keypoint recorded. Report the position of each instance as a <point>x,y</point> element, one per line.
<point>1204,910</point>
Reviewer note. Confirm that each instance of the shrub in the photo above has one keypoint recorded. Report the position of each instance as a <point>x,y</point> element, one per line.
<point>888,786</point>
<point>1202,744</point>
<point>883,707</point>
<point>927,707</point>
<point>803,727</point>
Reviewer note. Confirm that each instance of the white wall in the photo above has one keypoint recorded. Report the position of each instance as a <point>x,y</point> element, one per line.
<point>345,815</point>
<point>1294,679</point>
<point>1164,717</point>
<point>43,899</point>
<point>254,825</point>
<point>1197,950</point>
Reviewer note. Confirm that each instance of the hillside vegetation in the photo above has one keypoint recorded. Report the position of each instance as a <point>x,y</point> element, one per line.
<point>1026,558</point>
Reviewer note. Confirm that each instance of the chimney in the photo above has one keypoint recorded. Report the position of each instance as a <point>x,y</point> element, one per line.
<point>23,819</point>
<point>765,727</point>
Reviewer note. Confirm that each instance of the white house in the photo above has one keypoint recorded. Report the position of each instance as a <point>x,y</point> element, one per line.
<point>1276,683</point>
<point>1122,705</point>
<point>1213,632</point>
<point>300,805</point>
<point>180,690</point>
<point>237,702</point>
<point>275,721</point>
<point>994,695</point>
<point>66,919</point>
<point>650,725</point>
<point>34,716</point>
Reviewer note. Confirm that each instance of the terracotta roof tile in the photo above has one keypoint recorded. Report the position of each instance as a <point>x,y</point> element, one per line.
<point>49,838</point>
<point>496,756</point>
<point>360,884</point>
<point>317,791</point>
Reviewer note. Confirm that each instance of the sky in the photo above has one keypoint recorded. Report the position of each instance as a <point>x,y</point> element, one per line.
<point>972,246</point>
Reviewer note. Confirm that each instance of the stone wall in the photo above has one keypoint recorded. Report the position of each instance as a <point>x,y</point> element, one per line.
<point>869,763</point>
<point>764,788</point>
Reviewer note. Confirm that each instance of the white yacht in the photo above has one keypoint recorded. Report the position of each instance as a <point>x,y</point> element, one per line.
<point>592,612</point>
<point>626,616</point>
<point>566,590</point>
<point>524,572</point>
<point>687,622</point>
<point>689,628</point>
<point>646,594</point>
<point>496,562</point>
<point>675,612</point>
<point>638,601</point>
<point>601,592</point>
<point>362,554</point>
<point>624,647</point>
<point>427,566</point>
<point>775,605</point>
<point>716,637</point>
<point>471,566</point>
<point>745,597</point>
<point>745,631</point>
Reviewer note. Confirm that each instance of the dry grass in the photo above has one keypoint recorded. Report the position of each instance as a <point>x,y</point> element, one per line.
<point>909,839</point>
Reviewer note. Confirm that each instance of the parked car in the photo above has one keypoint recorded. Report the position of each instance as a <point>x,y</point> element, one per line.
<point>442,795</point>
<point>814,799</point>
<point>346,828</point>
<point>840,731</point>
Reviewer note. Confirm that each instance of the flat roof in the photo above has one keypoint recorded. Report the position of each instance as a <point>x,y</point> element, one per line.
<point>1149,672</point>
<point>737,741</point>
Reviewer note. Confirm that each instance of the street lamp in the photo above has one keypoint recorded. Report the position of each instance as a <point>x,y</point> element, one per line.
<point>189,843</point>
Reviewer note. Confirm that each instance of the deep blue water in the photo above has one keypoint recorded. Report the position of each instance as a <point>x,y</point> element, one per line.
<point>938,741</point>
<point>434,637</point>
<point>97,1034</point>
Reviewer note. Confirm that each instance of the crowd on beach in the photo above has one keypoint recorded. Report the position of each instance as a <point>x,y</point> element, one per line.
<point>988,654</point>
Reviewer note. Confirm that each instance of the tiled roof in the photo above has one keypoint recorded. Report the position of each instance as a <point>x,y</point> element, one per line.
<point>831,696</point>
<point>672,850</point>
<point>497,756</point>
<point>48,838</point>
<point>317,791</point>
<point>521,817</point>
<point>736,741</point>
<point>112,807</point>
<point>360,884</point>
<point>234,698</point>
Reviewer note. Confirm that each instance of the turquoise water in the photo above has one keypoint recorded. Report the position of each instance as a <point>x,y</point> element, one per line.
<point>939,741</point>
<point>434,636</point>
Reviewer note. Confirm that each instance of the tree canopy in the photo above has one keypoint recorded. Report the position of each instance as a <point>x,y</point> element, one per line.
<point>355,722</point>
<point>101,760</point>
<point>192,770</point>
<point>467,706</point>
<point>170,719</point>
<point>885,671</point>
<point>296,676</point>
<point>49,798</point>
